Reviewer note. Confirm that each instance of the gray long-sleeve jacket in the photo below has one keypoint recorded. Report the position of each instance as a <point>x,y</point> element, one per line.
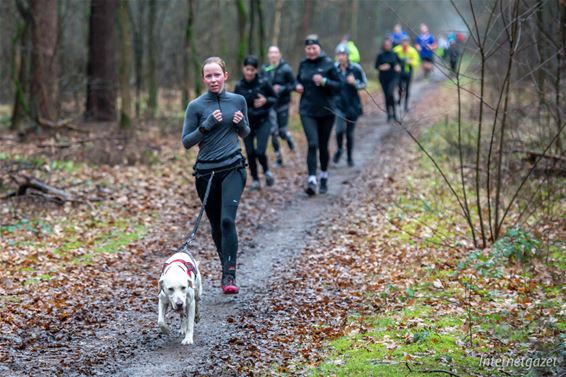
<point>219,145</point>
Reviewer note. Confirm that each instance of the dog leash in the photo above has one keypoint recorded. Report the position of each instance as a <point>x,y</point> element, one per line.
<point>187,243</point>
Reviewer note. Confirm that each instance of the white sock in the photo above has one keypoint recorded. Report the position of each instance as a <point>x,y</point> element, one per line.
<point>312,179</point>
<point>323,174</point>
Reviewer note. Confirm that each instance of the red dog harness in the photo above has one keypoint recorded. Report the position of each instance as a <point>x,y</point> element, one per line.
<point>191,269</point>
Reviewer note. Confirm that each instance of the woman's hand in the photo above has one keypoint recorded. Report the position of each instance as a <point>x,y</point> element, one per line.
<point>217,114</point>
<point>318,79</point>
<point>238,116</point>
<point>212,120</point>
<point>350,79</point>
<point>385,67</point>
<point>299,88</point>
<point>276,88</point>
<point>397,68</point>
<point>259,101</point>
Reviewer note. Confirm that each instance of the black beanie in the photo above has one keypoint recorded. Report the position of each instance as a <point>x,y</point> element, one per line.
<point>251,60</point>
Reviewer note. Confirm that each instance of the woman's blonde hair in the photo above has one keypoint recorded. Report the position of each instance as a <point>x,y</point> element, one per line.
<point>214,59</point>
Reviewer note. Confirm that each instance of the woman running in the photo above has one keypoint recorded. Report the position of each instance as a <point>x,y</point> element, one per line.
<point>349,105</point>
<point>388,65</point>
<point>318,82</point>
<point>425,45</point>
<point>214,121</point>
<point>260,98</point>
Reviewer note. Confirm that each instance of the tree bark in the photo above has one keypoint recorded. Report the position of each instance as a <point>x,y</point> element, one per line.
<point>151,73</point>
<point>252,27</point>
<point>242,18</point>
<point>191,66</point>
<point>138,51</point>
<point>21,68</point>
<point>261,29</point>
<point>101,69</point>
<point>125,65</point>
<point>44,64</point>
<point>277,22</point>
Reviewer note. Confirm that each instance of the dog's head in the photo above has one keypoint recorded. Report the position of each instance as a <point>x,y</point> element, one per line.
<point>176,284</point>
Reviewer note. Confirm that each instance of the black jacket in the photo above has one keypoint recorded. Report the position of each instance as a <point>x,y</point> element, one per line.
<point>391,58</point>
<point>318,101</point>
<point>250,91</point>
<point>348,100</point>
<point>281,75</point>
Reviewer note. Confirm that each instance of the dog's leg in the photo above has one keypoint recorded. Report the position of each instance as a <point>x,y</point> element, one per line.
<point>197,302</point>
<point>190,319</point>
<point>162,309</point>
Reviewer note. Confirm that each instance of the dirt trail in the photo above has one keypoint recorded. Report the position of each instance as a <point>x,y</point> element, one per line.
<point>276,244</point>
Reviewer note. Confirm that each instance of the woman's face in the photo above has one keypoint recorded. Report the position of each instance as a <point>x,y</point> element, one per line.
<point>214,77</point>
<point>312,51</point>
<point>249,72</point>
<point>387,45</point>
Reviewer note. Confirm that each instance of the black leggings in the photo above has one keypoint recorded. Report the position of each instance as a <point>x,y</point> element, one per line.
<point>221,208</point>
<point>345,126</point>
<point>257,152</point>
<point>318,131</point>
<point>279,127</point>
<point>388,84</point>
<point>404,85</point>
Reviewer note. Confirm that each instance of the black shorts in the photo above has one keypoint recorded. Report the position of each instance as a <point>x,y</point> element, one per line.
<point>427,59</point>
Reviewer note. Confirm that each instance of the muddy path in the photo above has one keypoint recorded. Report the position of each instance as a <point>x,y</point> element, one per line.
<point>273,249</point>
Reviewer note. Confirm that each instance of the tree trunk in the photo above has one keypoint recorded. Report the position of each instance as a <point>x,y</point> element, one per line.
<point>252,27</point>
<point>138,51</point>
<point>242,18</point>
<point>261,30</point>
<point>21,68</point>
<point>277,22</point>
<point>101,69</point>
<point>125,65</point>
<point>44,64</point>
<point>151,73</point>
<point>191,65</point>
<point>354,20</point>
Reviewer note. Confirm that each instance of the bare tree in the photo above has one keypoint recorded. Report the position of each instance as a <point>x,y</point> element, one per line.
<point>20,66</point>
<point>191,66</point>
<point>44,104</point>
<point>242,19</point>
<point>277,22</point>
<point>152,55</point>
<point>101,69</point>
<point>125,65</point>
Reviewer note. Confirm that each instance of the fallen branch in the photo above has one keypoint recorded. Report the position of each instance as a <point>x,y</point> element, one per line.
<point>51,193</point>
<point>430,371</point>
<point>532,155</point>
<point>81,141</point>
<point>62,123</point>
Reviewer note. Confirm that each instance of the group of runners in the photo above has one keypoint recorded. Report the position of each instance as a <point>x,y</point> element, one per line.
<point>259,108</point>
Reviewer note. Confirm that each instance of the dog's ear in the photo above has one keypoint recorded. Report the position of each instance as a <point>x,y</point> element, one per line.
<point>191,282</point>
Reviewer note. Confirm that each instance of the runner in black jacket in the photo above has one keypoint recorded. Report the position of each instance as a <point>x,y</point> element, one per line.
<point>280,76</point>
<point>260,98</point>
<point>388,65</point>
<point>348,103</point>
<point>319,83</point>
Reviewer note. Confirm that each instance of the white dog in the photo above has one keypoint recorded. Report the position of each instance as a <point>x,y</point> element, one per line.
<point>180,286</point>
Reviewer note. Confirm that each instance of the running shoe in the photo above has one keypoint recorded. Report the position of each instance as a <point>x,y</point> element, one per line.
<point>323,186</point>
<point>278,159</point>
<point>311,188</point>
<point>228,285</point>
<point>337,156</point>
<point>256,186</point>
<point>350,162</point>
<point>269,180</point>
<point>290,142</point>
